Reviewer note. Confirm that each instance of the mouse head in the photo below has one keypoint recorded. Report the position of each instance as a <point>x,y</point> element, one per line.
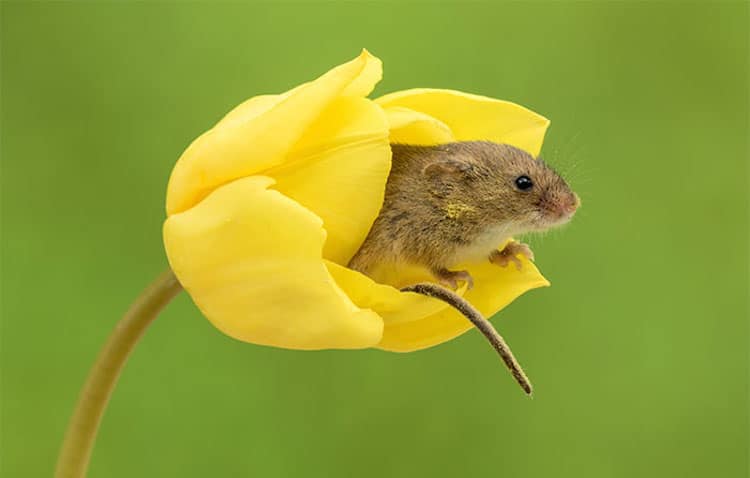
<point>512,188</point>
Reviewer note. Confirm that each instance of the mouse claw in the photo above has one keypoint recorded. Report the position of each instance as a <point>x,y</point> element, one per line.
<point>450,279</point>
<point>510,254</point>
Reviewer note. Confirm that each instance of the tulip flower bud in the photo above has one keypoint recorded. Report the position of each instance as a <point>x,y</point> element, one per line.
<point>265,210</point>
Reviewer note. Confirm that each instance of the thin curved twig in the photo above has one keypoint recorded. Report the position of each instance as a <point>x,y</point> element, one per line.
<point>484,326</point>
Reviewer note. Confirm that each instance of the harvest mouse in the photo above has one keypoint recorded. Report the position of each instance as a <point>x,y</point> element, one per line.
<point>456,202</point>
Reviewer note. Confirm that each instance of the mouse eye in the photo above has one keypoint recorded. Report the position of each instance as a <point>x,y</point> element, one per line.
<point>524,183</point>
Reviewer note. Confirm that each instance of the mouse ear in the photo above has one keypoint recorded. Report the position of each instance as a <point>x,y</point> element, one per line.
<point>449,166</point>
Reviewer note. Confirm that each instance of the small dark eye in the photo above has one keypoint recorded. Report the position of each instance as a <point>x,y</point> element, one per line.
<point>524,183</point>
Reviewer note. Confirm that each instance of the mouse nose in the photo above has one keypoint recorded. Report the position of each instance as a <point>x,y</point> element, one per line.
<point>561,205</point>
<point>568,204</point>
<point>574,204</point>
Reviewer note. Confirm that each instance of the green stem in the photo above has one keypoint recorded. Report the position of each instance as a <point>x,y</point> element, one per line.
<point>79,439</point>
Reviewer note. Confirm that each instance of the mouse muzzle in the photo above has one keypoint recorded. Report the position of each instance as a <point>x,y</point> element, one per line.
<point>560,207</point>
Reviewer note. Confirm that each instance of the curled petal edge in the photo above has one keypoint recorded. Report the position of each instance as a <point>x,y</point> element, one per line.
<point>269,287</point>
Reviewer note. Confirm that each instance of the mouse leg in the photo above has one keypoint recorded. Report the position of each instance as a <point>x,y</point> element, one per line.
<point>510,254</point>
<point>450,278</point>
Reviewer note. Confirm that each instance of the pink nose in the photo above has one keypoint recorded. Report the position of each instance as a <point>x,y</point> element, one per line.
<point>573,204</point>
<point>568,205</point>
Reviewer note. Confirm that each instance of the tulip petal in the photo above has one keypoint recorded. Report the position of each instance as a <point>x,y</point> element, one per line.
<point>371,74</point>
<point>338,170</point>
<point>412,127</point>
<point>249,110</point>
<point>495,287</point>
<point>250,258</point>
<point>474,117</point>
<point>414,322</point>
<point>260,133</point>
<point>393,306</point>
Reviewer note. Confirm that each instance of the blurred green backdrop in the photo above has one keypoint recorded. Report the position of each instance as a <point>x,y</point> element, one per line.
<point>638,351</point>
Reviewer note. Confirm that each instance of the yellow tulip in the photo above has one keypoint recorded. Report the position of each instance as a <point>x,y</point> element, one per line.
<point>265,210</point>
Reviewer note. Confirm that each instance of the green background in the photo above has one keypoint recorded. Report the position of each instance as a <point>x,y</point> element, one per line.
<point>638,351</point>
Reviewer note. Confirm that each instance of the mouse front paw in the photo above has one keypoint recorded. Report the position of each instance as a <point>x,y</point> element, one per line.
<point>450,279</point>
<point>510,253</point>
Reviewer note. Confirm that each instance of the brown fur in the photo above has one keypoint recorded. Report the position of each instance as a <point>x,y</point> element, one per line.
<point>444,202</point>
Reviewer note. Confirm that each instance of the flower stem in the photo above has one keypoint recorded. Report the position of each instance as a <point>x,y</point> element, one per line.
<point>81,433</point>
<point>484,326</point>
